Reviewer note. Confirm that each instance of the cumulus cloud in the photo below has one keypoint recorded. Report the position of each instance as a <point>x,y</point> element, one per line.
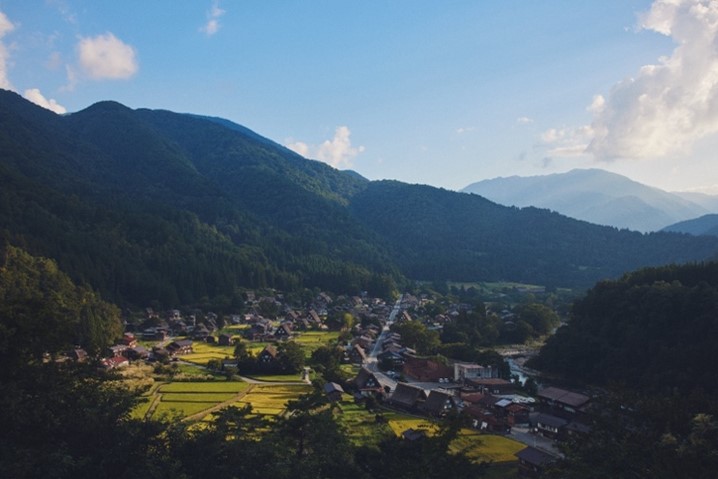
<point>671,104</point>
<point>337,152</point>
<point>567,142</point>
<point>39,99</point>
<point>213,15</point>
<point>6,27</point>
<point>299,147</point>
<point>106,57</point>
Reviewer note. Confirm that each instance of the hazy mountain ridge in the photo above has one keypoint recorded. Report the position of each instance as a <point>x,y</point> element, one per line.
<point>705,225</point>
<point>593,195</point>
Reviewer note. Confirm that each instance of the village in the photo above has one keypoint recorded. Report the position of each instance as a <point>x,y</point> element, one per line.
<point>381,374</point>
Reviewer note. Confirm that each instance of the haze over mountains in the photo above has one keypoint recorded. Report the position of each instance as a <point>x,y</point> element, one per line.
<point>153,206</point>
<point>599,197</point>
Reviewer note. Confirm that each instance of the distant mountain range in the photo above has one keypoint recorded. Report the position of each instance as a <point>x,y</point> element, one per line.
<point>155,207</point>
<point>599,197</point>
<point>705,225</point>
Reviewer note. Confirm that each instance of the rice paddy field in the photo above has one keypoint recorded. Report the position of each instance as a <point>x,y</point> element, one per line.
<point>187,398</point>
<point>203,352</point>
<point>312,340</point>
<point>272,400</point>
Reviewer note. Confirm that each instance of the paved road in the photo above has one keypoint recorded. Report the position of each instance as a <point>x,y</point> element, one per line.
<point>523,435</point>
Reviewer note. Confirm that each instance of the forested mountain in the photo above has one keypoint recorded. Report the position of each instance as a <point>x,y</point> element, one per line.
<point>441,234</point>
<point>157,206</point>
<point>705,225</point>
<point>141,217</point>
<point>652,331</point>
<point>593,195</point>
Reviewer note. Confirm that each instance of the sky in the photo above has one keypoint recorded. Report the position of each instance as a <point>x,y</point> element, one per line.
<point>440,93</point>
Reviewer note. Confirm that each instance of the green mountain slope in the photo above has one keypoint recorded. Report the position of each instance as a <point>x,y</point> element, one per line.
<point>438,234</point>
<point>123,207</point>
<point>150,205</point>
<point>705,225</point>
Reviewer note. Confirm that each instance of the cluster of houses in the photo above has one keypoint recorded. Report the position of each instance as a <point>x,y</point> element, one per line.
<point>556,414</point>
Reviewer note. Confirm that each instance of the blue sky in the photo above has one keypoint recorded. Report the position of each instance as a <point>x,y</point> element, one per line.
<point>441,93</point>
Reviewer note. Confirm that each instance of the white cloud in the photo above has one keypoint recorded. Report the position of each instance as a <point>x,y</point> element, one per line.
<point>567,142</point>
<point>669,105</point>
<point>524,120</point>
<point>299,147</point>
<point>6,27</point>
<point>37,98</point>
<point>466,129</point>
<point>213,15</point>
<point>337,152</point>
<point>106,57</point>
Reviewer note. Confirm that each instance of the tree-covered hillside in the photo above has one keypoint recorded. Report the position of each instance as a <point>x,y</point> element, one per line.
<point>157,206</point>
<point>652,330</point>
<point>141,217</point>
<point>437,234</point>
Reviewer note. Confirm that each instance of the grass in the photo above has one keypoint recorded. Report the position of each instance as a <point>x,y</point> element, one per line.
<point>359,424</point>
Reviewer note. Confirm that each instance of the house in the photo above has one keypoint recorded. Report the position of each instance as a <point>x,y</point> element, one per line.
<point>129,340</point>
<point>183,346</point>
<point>366,379</point>
<point>357,354</point>
<point>438,403</point>
<point>225,340</point>
<point>116,350</point>
<point>333,391</point>
<point>413,434</point>
<point>115,362</point>
<point>78,355</point>
<point>313,317</point>
<point>268,355</point>
<point>284,331</point>
<point>403,317</point>
<point>258,331</point>
<point>517,414</point>
<point>492,385</point>
<point>407,396</point>
<point>160,354</point>
<point>532,461</point>
<point>364,341</point>
<point>464,371</point>
<point>563,400</point>
<point>551,426</point>
<point>426,370</point>
<point>200,332</point>
<point>138,352</point>
<point>390,359</point>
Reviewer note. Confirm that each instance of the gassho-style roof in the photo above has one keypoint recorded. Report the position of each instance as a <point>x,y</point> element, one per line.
<point>534,456</point>
<point>562,396</point>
